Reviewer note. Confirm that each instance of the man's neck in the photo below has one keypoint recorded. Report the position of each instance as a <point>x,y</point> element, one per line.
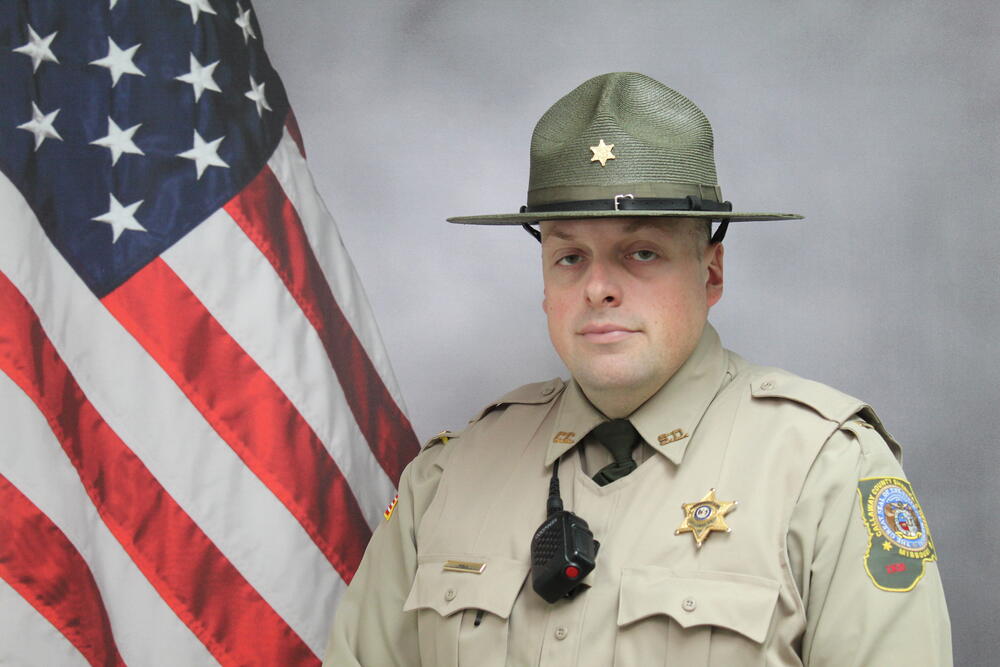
<point>617,403</point>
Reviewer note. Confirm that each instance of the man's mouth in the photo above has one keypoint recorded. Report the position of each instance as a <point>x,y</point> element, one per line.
<point>606,333</point>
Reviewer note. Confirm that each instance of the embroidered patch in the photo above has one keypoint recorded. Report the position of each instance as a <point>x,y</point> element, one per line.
<point>899,541</point>
<point>391,508</point>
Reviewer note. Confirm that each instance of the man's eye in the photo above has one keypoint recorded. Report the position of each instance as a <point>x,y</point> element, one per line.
<point>569,260</point>
<point>644,255</point>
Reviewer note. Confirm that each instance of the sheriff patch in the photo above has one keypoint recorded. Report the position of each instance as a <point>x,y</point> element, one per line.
<point>899,541</point>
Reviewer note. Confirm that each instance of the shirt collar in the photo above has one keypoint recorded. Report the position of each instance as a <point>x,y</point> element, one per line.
<point>665,421</point>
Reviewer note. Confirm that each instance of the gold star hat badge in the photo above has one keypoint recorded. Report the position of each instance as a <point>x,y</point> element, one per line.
<point>704,516</point>
<point>602,152</point>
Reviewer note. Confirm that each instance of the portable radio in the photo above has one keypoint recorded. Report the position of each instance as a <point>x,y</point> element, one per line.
<point>563,550</point>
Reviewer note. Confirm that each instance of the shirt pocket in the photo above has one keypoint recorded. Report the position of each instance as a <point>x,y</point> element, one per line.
<point>693,618</point>
<point>462,617</point>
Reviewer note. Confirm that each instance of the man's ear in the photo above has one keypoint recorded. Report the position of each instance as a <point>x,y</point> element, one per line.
<point>714,280</point>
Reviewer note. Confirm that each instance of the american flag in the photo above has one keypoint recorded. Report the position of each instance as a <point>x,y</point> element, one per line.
<point>199,427</point>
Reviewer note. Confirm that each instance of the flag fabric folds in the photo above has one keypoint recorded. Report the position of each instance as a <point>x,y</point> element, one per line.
<point>200,428</point>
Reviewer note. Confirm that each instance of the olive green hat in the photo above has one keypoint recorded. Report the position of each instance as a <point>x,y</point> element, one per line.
<point>622,144</point>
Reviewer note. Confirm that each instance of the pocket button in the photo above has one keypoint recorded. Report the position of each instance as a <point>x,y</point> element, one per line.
<point>689,604</point>
<point>450,594</point>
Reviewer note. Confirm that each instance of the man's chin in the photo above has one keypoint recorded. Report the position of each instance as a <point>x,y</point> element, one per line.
<point>613,378</point>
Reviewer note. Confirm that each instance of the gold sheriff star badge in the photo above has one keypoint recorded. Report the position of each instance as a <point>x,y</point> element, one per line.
<point>602,152</point>
<point>704,516</point>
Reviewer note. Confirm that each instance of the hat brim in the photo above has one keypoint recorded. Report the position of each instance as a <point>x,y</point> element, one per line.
<point>530,218</point>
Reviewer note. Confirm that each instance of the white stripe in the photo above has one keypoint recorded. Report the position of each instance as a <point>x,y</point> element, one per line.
<point>292,172</point>
<point>38,467</point>
<point>249,300</point>
<point>27,638</point>
<point>147,410</point>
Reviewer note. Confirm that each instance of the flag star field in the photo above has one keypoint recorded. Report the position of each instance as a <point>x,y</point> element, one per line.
<point>194,136</point>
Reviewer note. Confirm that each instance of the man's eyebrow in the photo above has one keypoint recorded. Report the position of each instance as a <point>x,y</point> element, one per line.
<point>641,223</point>
<point>633,226</point>
<point>559,234</point>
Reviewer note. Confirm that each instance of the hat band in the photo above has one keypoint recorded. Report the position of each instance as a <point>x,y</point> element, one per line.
<point>626,202</point>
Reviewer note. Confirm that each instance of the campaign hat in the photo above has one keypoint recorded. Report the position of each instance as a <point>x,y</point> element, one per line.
<point>622,145</point>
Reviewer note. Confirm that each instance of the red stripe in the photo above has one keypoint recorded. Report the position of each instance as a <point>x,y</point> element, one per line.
<point>292,125</point>
<point>245,407</point>
<point>40,563</point>
<point>270,221</point>
<point>188,571</point>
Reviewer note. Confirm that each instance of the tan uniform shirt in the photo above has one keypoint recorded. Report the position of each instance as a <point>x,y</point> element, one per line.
<point>823,509</point>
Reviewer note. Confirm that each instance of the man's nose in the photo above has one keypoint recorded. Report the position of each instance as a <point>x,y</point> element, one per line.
<point>603,287</point>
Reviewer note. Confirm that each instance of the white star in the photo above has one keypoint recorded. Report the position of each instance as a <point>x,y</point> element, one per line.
<point>120,218</point>
<point>243,21</point>
<point>196,7</point>
<point>118,61</point>
<point>205,154</point>
<point>200,78</point>
<point>256,93</point>
<point>38,48</point>
<point>40,125</point>
<point>119,141</point>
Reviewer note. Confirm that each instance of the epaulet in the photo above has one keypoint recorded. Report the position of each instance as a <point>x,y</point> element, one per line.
<point>852,414</point>
<point>535,393</point>
<point>866,425</point>
<point>831,404</point>
<point>441,438</point>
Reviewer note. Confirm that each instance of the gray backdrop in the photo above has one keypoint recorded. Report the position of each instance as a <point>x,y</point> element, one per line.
<point>878,121</point>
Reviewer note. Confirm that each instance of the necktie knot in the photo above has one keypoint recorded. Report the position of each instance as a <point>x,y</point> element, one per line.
<point>619,437</point>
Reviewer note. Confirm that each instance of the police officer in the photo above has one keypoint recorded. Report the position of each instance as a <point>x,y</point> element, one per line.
<point>709,511</point>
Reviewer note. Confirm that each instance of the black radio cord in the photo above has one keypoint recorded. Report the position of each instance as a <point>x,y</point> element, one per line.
<point>554,504</point>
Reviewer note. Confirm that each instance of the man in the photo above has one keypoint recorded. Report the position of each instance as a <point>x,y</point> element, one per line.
<point>744,515</point>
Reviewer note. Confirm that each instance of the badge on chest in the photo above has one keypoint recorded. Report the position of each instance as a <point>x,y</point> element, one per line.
<point>705,516</point>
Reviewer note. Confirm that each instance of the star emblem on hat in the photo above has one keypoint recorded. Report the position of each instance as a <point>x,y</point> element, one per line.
<point>704,516</point>
<point>602,152</point>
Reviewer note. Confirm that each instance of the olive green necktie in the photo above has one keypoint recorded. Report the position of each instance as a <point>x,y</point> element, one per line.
<point>619,437</point>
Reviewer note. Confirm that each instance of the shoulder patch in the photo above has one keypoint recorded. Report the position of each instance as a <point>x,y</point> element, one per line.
<point>535,393</point>
<point>830,403</point>
<point>899,541</point>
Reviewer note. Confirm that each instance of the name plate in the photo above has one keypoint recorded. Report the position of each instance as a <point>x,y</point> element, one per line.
<point>463,566</point>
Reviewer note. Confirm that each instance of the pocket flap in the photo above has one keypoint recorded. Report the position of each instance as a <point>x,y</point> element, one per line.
<point>739,602</point>
<point>447,591</point>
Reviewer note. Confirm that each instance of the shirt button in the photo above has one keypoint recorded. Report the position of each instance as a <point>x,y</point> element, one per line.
<point>689,604</point>
<point>766,385</point>
<point>450,594</point>
<point>561,633</point>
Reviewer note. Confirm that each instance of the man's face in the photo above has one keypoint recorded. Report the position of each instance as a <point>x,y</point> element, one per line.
<point>626,301</point>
